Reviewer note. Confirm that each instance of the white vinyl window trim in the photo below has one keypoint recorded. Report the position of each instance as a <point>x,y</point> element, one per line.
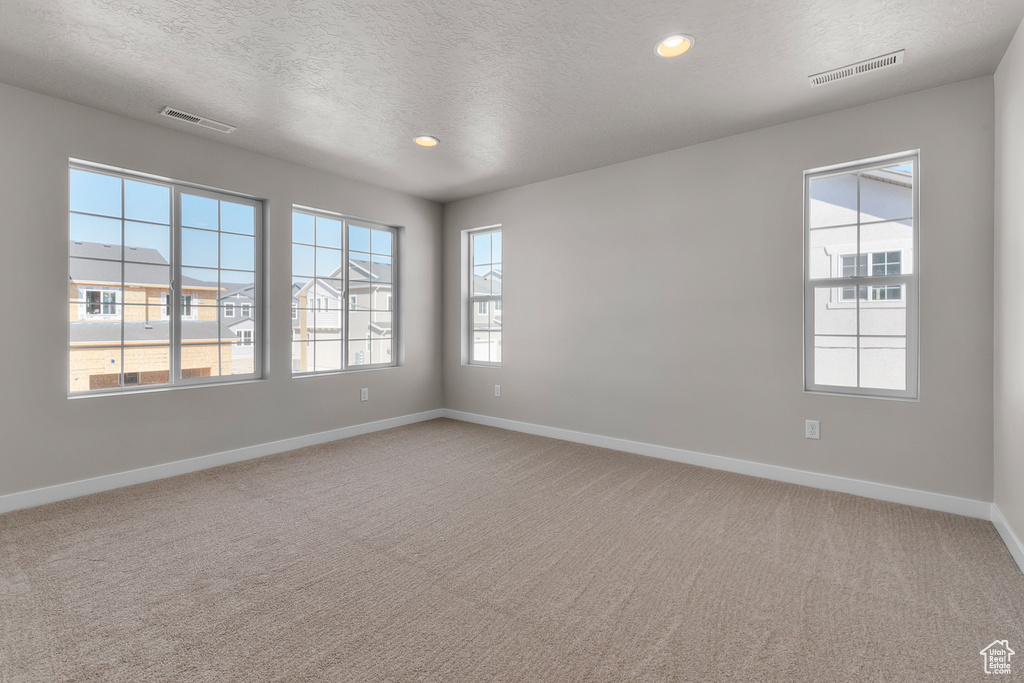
<point>475,302</point>
<point>908,282</point>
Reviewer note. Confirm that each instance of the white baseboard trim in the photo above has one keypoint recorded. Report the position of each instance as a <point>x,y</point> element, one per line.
<point>74,489</point>
<point>894,494</point>
<point>1013,543</point>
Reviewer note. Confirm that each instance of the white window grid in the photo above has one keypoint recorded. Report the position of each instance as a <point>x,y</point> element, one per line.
<point>906,282</point>
<point>177,188</point>
<point>313,306</point>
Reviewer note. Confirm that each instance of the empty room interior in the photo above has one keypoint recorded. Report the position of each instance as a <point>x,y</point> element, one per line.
<point>760,415</point>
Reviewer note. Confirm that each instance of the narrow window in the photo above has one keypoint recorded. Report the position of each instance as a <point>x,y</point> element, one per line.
<point>149,263</point>
<point>343,282</point>
<point>861,284</point>
<point>485,278</point>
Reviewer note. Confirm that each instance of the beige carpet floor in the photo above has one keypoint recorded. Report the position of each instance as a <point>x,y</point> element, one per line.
<point>446,551</point>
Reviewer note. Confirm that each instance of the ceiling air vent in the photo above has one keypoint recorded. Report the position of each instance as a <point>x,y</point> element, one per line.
<point>196,119</point>
<point>857,69</point>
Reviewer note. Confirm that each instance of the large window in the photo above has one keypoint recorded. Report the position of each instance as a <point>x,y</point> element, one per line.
<point>343,293</point>
<point>485,296</point>
<point>149,262</point>
<point>861,278</point>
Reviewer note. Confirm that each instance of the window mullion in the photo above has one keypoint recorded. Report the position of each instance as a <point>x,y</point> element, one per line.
<point>120,381</point>
<point>175,289</point>
<point>345,284</point>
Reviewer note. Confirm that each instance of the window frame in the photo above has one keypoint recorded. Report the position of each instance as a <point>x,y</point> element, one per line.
<point>347,302</point>
<point>175,378</point>
<point>473,300</point>
<point>910,282</point>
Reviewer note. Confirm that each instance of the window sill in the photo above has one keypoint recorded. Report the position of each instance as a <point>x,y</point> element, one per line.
<point>346,371</point>
<point>121,391</point>
<point>904,399</point>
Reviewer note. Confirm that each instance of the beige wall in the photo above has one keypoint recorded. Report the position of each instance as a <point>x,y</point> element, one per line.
<point>713,362</point>
<point>1009,283</point>
<point>47,438</point>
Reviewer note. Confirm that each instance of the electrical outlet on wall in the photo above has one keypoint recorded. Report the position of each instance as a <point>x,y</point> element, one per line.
<point>812,429</point>
<point>497,391</point>
<point>364,394</point>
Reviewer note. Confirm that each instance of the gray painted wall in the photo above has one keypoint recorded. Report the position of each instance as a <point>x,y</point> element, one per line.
<point>46,438</point>
<point>660,300</point>
<point>1009,316</point>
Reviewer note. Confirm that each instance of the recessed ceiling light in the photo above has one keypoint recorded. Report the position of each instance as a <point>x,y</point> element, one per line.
<point>674,45</point>
<point>427,141</point>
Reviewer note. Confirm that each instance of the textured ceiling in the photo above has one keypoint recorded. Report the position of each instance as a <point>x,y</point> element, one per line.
<point>517,90</point>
